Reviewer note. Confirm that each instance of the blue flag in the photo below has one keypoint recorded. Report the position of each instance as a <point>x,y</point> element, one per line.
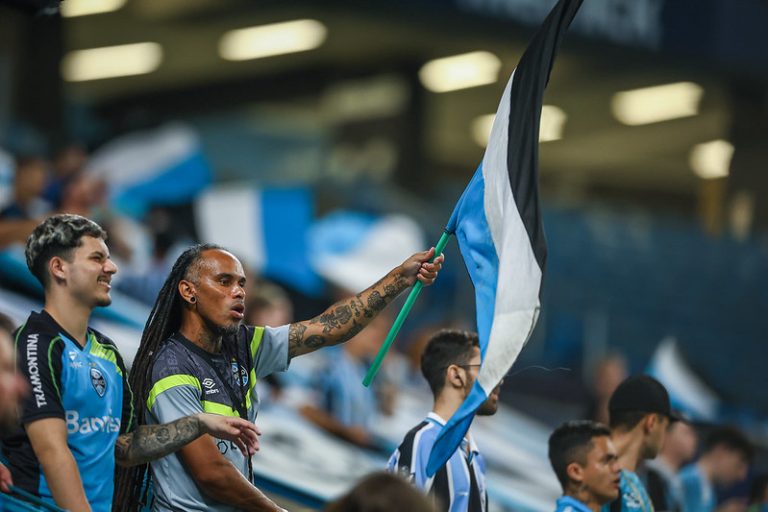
<point>497,223</point>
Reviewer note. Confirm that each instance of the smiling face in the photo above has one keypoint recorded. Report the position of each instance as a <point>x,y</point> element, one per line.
<point>217,283</point>
<point>87,273</point>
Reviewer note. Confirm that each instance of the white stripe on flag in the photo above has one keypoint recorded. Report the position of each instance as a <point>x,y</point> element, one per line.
<point>233,218</point>
<point>139,157</point>
<point>519,278</point>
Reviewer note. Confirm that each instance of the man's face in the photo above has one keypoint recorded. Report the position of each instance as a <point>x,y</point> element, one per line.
<point>12,384</point>
<point>89,274</point>
<point>220,291</point>
<point>600,472</point>
<point>472,369</point>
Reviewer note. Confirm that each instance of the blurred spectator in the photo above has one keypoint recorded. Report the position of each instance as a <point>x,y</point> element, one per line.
<point>166,238</point>
<point>608,373</point>
<point>68,163</point>
<point>12,388</point>
<point>346,408</point>
<point>267,304</point>
<point>28,185</point>
<point>724,460</point>
<point>450,364</point>
<point>584,459</point>
<point>662,481</point>
<point>19,218</point>
<point>381,492</point>
<point>758,497</point>
<point>12,385</point>
<point>640,414</point>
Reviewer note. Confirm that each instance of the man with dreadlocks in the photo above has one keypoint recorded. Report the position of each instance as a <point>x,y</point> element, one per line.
<point>77,420</point>
<point>196,355</point>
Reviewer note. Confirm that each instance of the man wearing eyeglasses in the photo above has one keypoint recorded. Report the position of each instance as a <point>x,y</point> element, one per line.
<point>450,363</point>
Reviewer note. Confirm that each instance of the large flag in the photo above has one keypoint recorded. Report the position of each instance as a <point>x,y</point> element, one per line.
<point>267,228</point>
<point>497,223</point>
<point>160,166</point>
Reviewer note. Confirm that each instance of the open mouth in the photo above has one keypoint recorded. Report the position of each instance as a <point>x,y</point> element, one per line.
<point>237,311</point>
<point>106,283</point>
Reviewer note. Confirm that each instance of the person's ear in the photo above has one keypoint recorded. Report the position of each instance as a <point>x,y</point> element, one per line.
<point>455,376</point>
<point>57,268</point>
<point>575,472</point>
<point>187,291</point>
<point>649,422</point>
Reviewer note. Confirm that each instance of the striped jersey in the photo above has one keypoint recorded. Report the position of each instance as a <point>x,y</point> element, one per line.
<point>87,387</point>
<point>458,486</point>
<point>188,380</point>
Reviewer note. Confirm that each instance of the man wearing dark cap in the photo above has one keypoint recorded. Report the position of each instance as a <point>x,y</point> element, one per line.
<point>639,413</point>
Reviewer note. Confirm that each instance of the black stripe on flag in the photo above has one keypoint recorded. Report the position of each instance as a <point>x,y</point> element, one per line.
<point>526,98</point>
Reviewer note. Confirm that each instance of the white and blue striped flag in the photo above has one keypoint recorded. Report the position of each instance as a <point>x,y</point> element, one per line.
<point>266,228</point>
<point>160,166</point>
<point>497,223</point>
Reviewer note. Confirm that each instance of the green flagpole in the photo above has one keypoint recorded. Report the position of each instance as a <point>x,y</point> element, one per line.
<point>415,291</point>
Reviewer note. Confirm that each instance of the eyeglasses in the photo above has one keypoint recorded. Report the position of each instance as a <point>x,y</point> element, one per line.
<point>465,366</point>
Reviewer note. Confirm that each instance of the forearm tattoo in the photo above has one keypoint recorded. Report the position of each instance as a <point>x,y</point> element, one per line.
<point>346,318</point>
<point>150,442</point>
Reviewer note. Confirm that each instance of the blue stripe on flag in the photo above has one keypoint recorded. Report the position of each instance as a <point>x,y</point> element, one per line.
<point>469,225</point>
<point>174,185</point>
<point>286,216</point>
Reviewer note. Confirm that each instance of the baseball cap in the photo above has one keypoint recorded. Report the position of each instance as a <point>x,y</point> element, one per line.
<point>642,393</point>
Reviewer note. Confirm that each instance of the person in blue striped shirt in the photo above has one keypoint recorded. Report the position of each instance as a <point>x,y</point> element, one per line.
<point>450,364</point>
<point>584,459</point>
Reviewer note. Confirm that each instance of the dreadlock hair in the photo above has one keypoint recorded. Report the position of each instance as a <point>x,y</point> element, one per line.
<point>132,484</point>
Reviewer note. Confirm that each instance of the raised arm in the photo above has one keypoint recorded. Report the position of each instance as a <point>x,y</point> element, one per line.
<point>348,317</point>
<point>150,442</point>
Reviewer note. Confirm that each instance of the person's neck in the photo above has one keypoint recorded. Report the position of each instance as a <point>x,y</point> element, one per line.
<point>706,467</point>
<point>69,313</point>
<point>446,404</point>
<point>200,335</point>
<point>584,497</point>
<point>628,447</point>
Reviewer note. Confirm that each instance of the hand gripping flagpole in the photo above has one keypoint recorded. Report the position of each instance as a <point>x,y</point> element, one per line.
<point>415,291</point>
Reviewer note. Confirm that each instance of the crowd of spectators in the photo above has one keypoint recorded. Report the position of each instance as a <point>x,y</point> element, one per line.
<point>685,476</point>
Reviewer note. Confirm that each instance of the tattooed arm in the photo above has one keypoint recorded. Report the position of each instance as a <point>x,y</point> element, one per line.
<point>150,442</point>
<point>348,317</point>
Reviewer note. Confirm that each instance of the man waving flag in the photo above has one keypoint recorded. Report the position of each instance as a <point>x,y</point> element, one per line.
<point>497,222</point>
